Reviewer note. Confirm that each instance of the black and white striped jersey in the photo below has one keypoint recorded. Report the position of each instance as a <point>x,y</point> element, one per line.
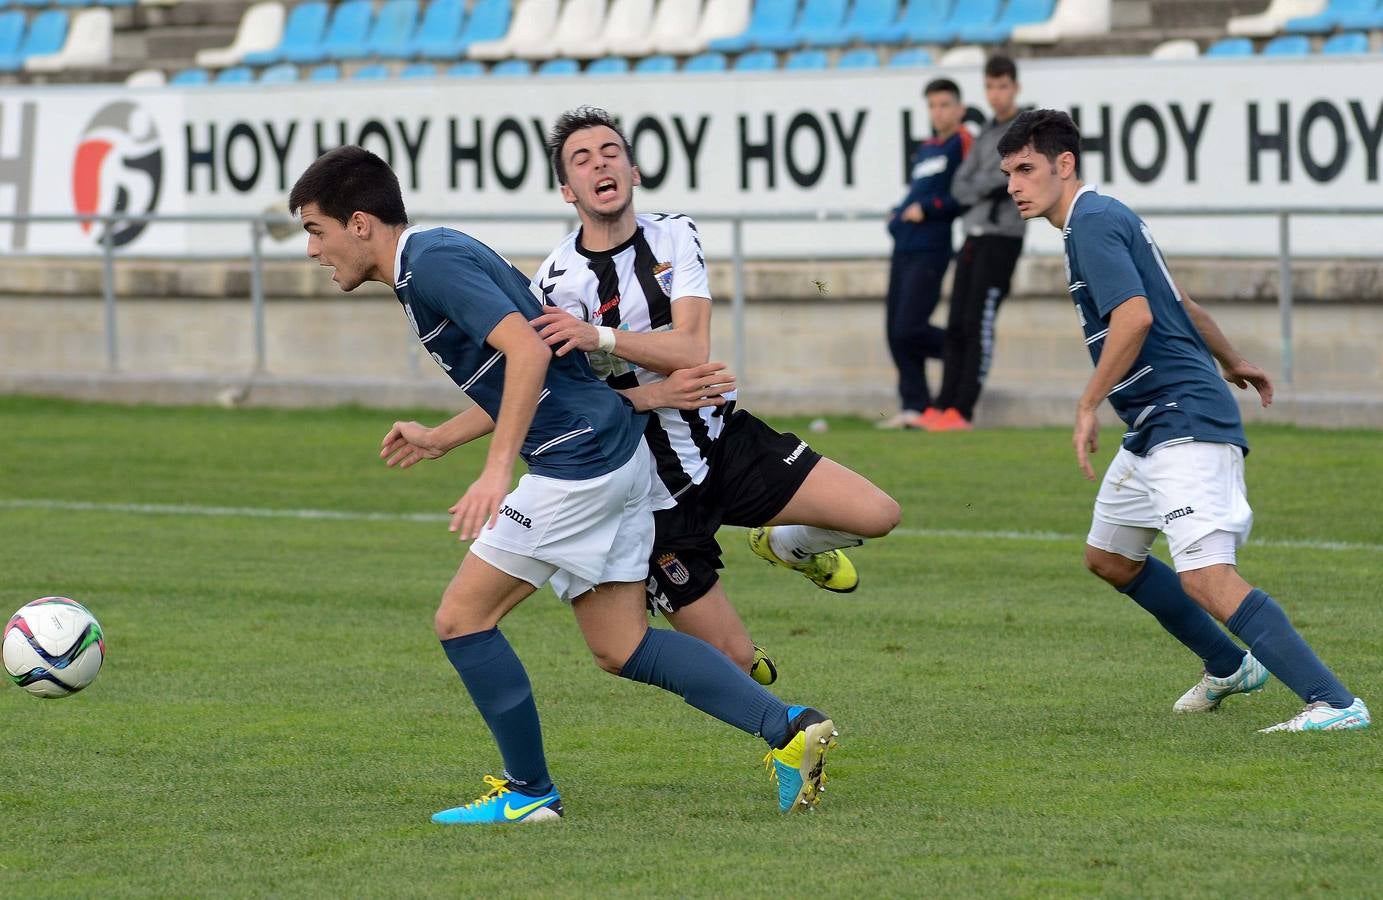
<point>632,287</point>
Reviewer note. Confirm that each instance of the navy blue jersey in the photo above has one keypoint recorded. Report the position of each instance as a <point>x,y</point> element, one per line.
<point>455,290</point>
<point>1174,392</point>
<point>934,165</point>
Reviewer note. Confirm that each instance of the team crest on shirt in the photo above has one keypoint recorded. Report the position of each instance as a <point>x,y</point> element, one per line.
<point>663,272</point>
<point>674,569</point>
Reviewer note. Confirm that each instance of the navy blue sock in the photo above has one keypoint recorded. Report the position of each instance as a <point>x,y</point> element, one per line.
<point>707,679</point>
<point>1262,624</point>
<point>499,686</point>
<point>1158,590</point>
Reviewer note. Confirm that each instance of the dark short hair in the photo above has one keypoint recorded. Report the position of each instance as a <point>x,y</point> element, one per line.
<point>1049,132</point>
<point>350,179</point>
<point>574,120</point>
<point>998,66</point>
<point>938,85</point>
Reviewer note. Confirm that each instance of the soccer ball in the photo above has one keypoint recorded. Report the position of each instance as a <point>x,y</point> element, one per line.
<point>53,647</point>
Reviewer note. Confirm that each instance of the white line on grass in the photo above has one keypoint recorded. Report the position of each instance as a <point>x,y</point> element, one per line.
<point>338,515</point>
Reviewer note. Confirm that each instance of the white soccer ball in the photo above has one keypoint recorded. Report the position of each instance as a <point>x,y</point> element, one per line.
<point>53,647</point>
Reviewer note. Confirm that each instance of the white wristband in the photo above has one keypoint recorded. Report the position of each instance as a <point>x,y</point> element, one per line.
<point>605,338</point>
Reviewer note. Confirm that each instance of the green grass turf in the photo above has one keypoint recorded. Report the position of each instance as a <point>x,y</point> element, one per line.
<point>275,717</point>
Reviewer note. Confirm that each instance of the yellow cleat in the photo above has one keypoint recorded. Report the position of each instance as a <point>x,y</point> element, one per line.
<point>831,570</point>
<point>763,670</point>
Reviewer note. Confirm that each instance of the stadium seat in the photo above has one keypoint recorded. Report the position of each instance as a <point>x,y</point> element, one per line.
<point>261,29</point>
<point>1333,15</point>
<point>756,61</point>
<point>1288,45</point>
<point>917,14</point>
<point>467,68</point>
<point>560,67</point>
<point>1363,18</point>
<point>1015,15</point>
<point>392,35</point>
<point>279,73</point>
<point>513,67</point>
<point>813,60</point>
<point>372,72</point>
<point>418,70</point>
<point>1177,48</point>
<point>720,19</point>
<point>530,32</point>
<point>579,32</point>
<point>1346,43</point>
<point>964,15</point>
<point>869,16</point>
<point>707,62</point>
<point>1270,21</point>
<point>489,21</point>
<point>235,75</point>
<point>608,65</point>
<point>190,78</point>
<point>1230,47</point>
<point>821,24</point>
<point>347,35</point>
<point>964,55</point>
<point>301,33</point>
<point>770,19</point>
<point>628,28</point>
<point>1070,18</point>
<point>146,78</point>
<point>88,44</point>
<point>46,34</point>
<point>325,72</point>
<point>11,37</point>
<point>912,57</point>
<point>438,35</point>
<point>656,65</point>
<point>860,58</point>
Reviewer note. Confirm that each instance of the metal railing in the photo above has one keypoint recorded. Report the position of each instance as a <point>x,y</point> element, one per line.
<point>260,224</point>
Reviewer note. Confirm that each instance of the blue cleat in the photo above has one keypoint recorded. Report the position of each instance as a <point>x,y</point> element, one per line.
<point>502,805</point>
<point>799,768</point>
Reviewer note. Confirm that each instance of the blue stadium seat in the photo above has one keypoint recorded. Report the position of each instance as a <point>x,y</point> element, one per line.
<point>870,16</point>
<point>1230,47</point>
<point>1346,43</point>
<point>807,60</point>
<point>11,37</point>
<point>190,78</point>
<point>512,67</point>
<point>707,62</point>
<point>1288,45</point>
<point>46,34</point>
<point>965,15</point>
<point>302,31</point>
<point>657,65</point>
<point>281,73</point>
<point>609,65</point>
<point>327,72</point>
<point>418,70</point>
<point>489,21</point>
<point>1365,19</point>
<point>437,34</point>
<point>561,66</point>
<point>821,24</point>
<point>1016,14</point>
<point>913,57</point>
<point>769,18</point>
<point>372,72</point>
<point>393,32</point>
<point>73,2</point>
<point>861,58</point>
<point>349,29</point>
<point>235,75</point>
<point>1332,15</point>
<point>917,15</point>
<point>468,68</point>
<point>757,61</point>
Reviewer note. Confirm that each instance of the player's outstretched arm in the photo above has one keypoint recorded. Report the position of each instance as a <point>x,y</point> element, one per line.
<point>694,388</point>
<point>686,344</point>
<point>409,443</point>
<point>1237,371</point>
<point>1129,324</point>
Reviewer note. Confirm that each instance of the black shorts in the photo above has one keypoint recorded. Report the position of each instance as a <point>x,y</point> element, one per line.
<point>754,472</point>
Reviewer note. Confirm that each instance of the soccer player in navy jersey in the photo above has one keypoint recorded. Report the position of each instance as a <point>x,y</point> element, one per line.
<point>580,518</point>
<point>1180,470</point>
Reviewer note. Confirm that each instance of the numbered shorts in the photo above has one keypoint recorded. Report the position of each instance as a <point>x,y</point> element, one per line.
<point>576,534</point>
<point>1193,492</point>
<point>754,472</point>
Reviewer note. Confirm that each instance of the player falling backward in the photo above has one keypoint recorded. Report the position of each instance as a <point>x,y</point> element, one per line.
<point>580,517</point>
<point>1180,470</point>
<point>631,292</point>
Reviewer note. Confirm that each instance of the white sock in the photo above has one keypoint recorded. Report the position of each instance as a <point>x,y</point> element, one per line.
<point>798,543</point>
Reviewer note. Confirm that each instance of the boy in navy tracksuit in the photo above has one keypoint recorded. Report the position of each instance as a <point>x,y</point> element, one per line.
<point>921,229</point>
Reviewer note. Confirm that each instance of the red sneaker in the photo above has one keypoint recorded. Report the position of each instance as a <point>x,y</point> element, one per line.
<point>951,420</point>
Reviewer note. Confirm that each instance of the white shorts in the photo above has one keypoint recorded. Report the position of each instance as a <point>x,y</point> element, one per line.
<point>576,534</point>
<point>1193,492</point>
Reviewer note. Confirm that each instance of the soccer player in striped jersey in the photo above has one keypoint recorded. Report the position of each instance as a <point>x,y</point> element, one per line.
<point>1180,470</point>
<point>580,517</point>
<point>631,291</point>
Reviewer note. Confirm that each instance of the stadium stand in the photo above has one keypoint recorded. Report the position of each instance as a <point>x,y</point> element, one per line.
<point>534,22</point>
<point>439,34</point>
<point>1070,18</point>
<point>301,35</point>
<point>393,29</point>
<point>347,35</point>
<point>1338,14</point>
<point>719,19</point>
<point>45,35</point>
<point>1015,15</point>
<point>579,30</point>
<point>261,30</point>
<point>87,45</point>
<point>1270,21</point>
<point>767,22</point>
<point>628,29</point>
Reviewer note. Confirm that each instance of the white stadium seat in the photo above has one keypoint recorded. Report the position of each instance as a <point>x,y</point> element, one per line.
<point>146,78</point>
<point>1270,21</point>
<point>629,28</point>
<point>1071,18</point>
<point>580,31</point>
<point>261,28</point>
<point>964,55</point>
<point>674,24</point>
<point>1180,48</point>
<point>721,18</point>
<point>529,37</point>
<point>88,44</point>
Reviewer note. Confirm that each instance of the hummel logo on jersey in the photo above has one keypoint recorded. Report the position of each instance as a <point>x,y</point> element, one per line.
<point>517,516</point>
<point>792,457</point>
<point>1177,514</point>
<point>607,306</point>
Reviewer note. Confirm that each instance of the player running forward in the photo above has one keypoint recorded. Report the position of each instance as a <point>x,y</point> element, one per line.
<point>1181,467</point>
<point>580,518</point>
<point>631,291</point>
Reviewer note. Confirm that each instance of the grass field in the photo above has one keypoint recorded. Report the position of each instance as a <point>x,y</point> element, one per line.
<point>275,717</point>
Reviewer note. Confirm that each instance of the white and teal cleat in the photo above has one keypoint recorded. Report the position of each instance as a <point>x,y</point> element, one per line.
<point>1209,691</point>
<point>799,768</point>
<point>503,805</point>
<point>1321,716</point>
